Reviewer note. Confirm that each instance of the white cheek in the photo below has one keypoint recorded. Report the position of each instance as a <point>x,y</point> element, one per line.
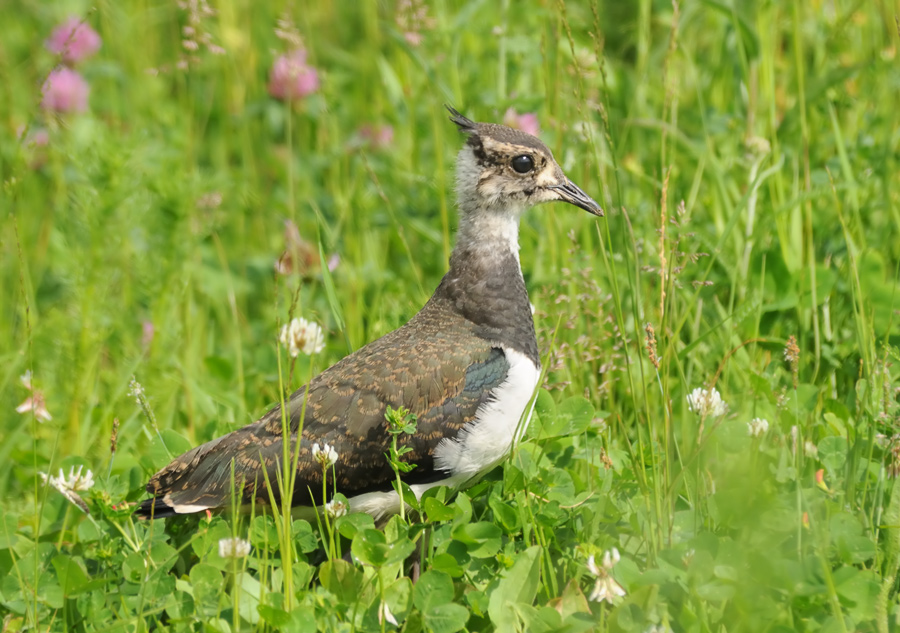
<point>547,177</point>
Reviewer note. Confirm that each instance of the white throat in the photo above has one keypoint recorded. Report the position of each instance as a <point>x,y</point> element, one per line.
<point>487,222</point>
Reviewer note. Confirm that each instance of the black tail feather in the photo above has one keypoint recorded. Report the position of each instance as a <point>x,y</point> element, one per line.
<point>154,508</point>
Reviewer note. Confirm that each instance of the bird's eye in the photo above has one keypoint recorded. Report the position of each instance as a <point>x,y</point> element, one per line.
<point>523,164</point>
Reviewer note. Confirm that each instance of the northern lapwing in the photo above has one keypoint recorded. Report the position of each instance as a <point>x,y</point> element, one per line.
<point>466,365</point>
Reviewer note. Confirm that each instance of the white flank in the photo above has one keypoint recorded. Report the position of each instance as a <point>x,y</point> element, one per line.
<point>381,504</point>
<point>487,439</point>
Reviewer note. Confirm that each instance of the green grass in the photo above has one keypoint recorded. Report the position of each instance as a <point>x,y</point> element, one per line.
<point>762,136</point>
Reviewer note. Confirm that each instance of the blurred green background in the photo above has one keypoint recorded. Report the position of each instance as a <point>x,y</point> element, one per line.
<point>746,154</point>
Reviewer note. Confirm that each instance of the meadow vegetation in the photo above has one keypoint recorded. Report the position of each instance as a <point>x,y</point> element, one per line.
<point>716,442</point>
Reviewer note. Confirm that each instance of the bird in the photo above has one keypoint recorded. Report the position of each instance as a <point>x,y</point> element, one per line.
<point>465,368</point>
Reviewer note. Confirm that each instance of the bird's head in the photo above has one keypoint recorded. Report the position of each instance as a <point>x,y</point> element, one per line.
<point>504,168</point>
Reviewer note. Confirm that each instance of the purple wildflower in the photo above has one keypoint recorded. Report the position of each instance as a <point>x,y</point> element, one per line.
<point>527,122</point>
<point>291,78</point>
<point>73,40</point>
<point>65,91</point>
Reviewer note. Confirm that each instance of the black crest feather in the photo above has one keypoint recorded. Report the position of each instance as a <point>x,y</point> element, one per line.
<point>466,126</point>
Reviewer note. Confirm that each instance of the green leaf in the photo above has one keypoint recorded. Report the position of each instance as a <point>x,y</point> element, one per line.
<point>463,509</point>
<point>447,563</point>
<point>302,534</point>
<point>833,453</point>
<point>482,539</point>
<point>8,527</point>
<point>577,414</point>
<point>134,567</point>
<point>504,514</point>
<point>847,536</point>
<point>349,524</point>
<point>572,417</point>
<point>300,620</point>
<point>518,584</point>
<point>433,588</point>
<point>446,618</point>
<point>407,493</point>
<point>858,590</point>
<point>342,579</point>
<point>208,584</point>
<point>72,578</point>
<point>372,547</point>
<point>274,616</point>
<point>263,534</point>
<point>398,596</point>
<point>437,511</point>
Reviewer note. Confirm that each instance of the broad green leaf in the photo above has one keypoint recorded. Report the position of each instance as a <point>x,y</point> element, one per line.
<point>517,585</point>
<point>263,535</point>
<point>274,616</point>
<point>349,524</point>
<point>303,535</point>
<point>72,578</point>
<point>571,417</point>
<point>342,579</point>
<point>833,453</point>
<point>134,567</point>
<point>398,596</point>
<point>372,547</point>
<point>208,583</point>
<point>482,539</point>
<point>463,509</point>
<point>447,563</point>
<point>577,414</point>
<point>432,589</point>
<point>446,618</point>
<point>504,514</point>
<point>858,590</point>
<point>437,511</point>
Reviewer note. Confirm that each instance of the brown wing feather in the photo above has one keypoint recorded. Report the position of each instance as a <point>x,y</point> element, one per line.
<point>420,366</point>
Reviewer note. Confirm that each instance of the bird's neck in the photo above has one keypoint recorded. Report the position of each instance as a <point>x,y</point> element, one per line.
<point>485,284</point>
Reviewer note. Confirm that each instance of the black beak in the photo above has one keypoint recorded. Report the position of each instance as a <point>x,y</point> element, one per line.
<point>572,193</point>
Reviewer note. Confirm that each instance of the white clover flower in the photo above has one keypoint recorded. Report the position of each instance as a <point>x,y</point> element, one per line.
<point>605,586</point>
<point>336,509</point>
<point>75,481</point>
<point>326,456</point>
<point>34,402</point>
<point>304,336</point>
<point>705,402</point>
<point>233,547</point>
<point>810,449</point>
<point>757,427</point>
<point>69,486</point>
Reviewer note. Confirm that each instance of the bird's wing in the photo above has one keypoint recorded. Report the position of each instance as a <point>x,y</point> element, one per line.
<point>423,369</point>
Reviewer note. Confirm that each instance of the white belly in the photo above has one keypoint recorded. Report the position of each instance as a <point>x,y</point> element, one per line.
<point>487,439</point>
